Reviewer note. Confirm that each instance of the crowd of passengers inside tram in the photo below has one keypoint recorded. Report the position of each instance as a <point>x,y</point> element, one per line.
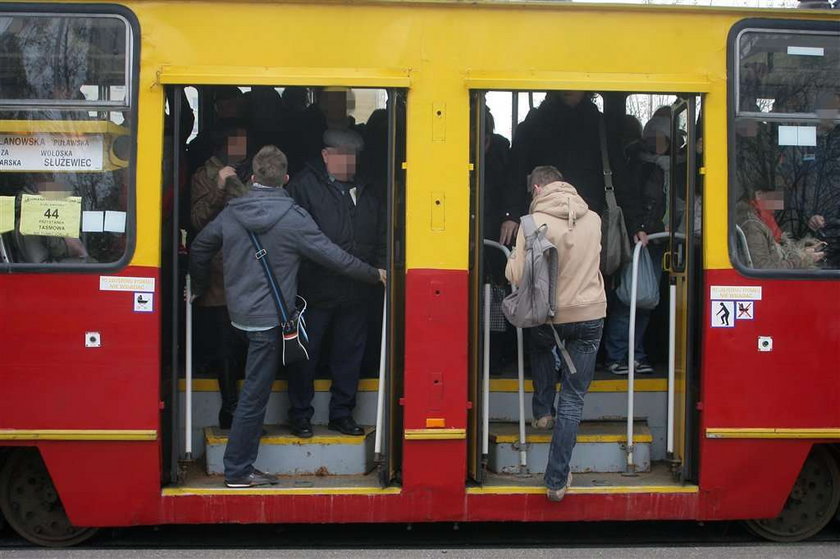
<point>338,174</point>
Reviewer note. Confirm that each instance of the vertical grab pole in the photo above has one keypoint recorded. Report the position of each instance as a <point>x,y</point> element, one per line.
<point>380,393</point>
<point>631,359</point>
<point>672,346</point>
<point>485,403</point>
<point>520,362</point>
<point>188,373</point>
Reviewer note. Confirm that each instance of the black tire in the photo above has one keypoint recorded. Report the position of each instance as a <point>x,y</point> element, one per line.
<point>30,503</point>
<point>812,503</point>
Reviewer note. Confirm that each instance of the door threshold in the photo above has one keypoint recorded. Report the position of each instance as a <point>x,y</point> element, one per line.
<point>658,480</point>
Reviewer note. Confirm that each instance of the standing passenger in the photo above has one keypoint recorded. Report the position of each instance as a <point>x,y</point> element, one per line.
<point>580,305</point>
<point>288,234</point>
<point>351,216</point>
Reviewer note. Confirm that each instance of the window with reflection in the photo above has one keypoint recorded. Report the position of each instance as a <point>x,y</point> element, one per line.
<point>66,138</point>
<point>787,150</point>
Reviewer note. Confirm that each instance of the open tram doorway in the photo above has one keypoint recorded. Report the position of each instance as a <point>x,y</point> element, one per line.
<point>653,141</point>
<point>208,127</point>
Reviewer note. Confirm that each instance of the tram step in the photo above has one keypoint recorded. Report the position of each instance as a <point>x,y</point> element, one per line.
<point>600,447</point>
<point>326,453</point>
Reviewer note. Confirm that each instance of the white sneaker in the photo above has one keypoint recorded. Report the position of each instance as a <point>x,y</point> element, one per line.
<point>545,423</point>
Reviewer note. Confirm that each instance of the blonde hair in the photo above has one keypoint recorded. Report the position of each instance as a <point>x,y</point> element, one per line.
<point>270,166</point>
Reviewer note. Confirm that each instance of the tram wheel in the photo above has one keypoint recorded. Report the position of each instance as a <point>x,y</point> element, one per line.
<point>811,505</point>
<point>30,503</point>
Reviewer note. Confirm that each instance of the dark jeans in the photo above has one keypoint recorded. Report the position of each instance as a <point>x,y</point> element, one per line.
<point>543,370</point>
<point>348,325</point>
<point>264,355</point>
<point>219,348</point>
<point>582,339</point>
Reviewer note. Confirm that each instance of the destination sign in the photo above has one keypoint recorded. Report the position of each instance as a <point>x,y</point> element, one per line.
<point>50,152</point>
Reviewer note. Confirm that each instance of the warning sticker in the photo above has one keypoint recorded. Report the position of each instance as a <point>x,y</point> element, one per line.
<point>736,292</point>
<point>744,310</point>
<point>119,283</point>
<point>723,314</point>
<point>52,218</point>
<point>144,302</point>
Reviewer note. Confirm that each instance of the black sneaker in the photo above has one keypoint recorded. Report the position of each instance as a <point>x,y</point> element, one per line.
<point>617,368</point>
<point>346,425</point>
<point>643,367</point>
<point>254,479</point>
<point>302,428</point>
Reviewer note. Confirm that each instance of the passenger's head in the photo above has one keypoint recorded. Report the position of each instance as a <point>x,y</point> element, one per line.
<point>270,167</point>
<point>631,130</point>
<point>295,98</point>
<point>569,98</point>
<point>541,176</point>
<point>657,134</point>
<point>230,144</point>
<point>767,198</point>
<point>336,103</point>
<point>228,103</point>
<point>340,149</point>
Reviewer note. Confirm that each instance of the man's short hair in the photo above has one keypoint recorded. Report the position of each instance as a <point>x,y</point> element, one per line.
<point>543,175</point>
<point>344,139</point>
<point>270,166</point>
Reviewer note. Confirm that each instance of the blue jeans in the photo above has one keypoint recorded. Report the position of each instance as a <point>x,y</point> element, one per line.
<point>543,370</point>
<point>261,364</point>
<point>582,339</point>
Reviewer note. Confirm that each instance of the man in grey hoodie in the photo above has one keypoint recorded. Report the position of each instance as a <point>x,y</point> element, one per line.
<point>288,234</point>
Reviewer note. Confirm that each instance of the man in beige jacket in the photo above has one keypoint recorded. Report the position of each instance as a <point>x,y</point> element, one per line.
<point>580,307</point>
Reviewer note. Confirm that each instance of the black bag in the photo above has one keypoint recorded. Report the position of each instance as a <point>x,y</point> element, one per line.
<point>292,325</point>
<point>615,244</point>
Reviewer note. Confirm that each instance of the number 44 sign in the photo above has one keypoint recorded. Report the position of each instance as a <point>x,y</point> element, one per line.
<point>51,218</point>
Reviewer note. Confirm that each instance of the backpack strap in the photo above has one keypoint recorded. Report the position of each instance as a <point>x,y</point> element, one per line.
<point>564,353</point>
<point>605,156</point>
<point>529,229</point>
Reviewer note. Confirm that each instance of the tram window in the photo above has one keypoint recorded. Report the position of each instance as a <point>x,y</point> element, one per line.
<point>786,196</point>
<point>66,139</point>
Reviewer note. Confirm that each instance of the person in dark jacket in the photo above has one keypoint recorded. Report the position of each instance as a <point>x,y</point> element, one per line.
<point>351,216</point>
<point>288,235</point>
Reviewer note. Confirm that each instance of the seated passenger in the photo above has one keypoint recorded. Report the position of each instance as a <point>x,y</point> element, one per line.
<point>770,248</point>
<point>217,348</point>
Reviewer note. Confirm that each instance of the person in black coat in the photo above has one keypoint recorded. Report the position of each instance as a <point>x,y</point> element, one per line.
<point>349,213</point>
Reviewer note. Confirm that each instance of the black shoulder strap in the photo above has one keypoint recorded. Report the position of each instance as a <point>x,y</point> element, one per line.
<point>262,257</point>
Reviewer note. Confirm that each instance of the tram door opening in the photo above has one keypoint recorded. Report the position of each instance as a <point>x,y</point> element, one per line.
<point>653,156</point>
<point>208,128</point>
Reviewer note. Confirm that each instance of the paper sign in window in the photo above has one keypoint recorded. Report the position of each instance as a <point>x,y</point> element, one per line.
<point>93,222</point>
<point>115,222</point>
<point>50,218</point>
<point>7,214</point>
<point>806,51</point>
<point>804,136</point>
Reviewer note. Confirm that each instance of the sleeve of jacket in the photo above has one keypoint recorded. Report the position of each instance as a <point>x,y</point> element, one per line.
<point>204,247</point>
<point>315,246</point>
<point>381,236</point>
<point>515,264</point>
<point>207,200</point>
<point>520,167</point>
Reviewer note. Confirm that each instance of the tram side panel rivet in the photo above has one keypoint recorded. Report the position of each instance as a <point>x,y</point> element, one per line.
<point>765,343</point>
<point>93,339</point>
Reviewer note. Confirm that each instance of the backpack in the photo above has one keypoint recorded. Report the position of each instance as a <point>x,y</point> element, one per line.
<point>532,304</point>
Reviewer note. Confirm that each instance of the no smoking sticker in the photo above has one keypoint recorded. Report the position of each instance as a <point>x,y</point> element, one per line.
<point>144,302</point>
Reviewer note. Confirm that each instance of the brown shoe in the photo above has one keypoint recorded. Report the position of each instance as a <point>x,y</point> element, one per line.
<point>544,423</point>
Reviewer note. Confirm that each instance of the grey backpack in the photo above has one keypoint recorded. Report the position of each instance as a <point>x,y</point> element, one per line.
<point>532,304</point>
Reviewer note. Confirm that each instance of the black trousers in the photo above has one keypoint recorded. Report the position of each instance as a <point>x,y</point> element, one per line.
<point>219,351</point>
<point>343,359</point>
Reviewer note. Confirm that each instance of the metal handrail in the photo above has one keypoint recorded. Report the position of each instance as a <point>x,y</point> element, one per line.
<point>631,351</point>
<point>380,396</point>
<point>188,372</point>
<point>742,240</point>
<point>520,361</point>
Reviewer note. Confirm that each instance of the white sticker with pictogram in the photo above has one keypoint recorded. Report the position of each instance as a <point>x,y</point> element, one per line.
<point>144,302</point>
<point>723,314</point>
<point>744,310</point>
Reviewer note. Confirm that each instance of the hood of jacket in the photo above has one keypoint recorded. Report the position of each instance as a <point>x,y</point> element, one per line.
<point>561,200</point>
<point>261,208</point>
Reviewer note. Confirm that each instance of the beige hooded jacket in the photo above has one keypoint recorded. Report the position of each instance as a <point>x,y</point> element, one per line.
<point>576,232</point>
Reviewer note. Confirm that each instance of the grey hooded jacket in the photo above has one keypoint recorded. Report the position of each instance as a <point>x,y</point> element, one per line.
<point>287,233</point>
